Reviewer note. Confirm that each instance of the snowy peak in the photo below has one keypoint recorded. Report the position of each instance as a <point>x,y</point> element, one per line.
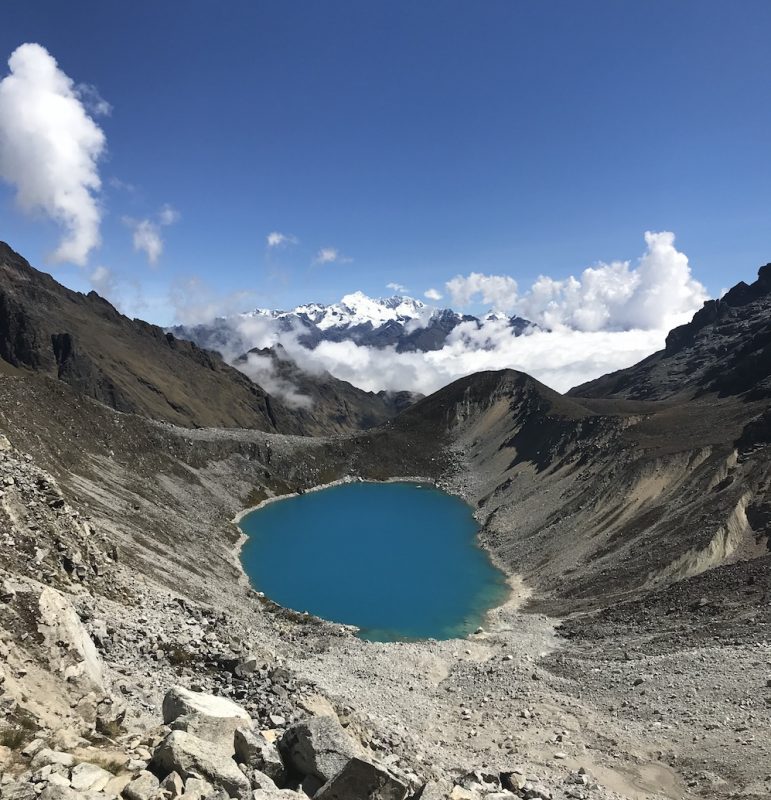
<point>355,310</point>
<point>404,323</point>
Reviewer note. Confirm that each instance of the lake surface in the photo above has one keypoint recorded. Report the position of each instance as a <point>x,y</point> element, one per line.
<point>398,560</point>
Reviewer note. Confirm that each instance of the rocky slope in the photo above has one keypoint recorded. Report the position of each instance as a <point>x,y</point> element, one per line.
<point>139,368</point>
<point>632,660</point>
<point>725,350</point>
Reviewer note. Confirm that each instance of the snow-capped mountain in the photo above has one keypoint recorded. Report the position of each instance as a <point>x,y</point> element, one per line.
<point>403,322</point>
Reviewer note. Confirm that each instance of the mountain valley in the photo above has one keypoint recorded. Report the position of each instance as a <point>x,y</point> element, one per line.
<point>631,515</point>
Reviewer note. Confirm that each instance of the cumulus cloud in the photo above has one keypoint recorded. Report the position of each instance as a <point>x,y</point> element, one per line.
<point>397,287</point>
<point>659,293</point>
<point>50,148</point>
<point>147,236</point>
<point>276,239</point>
<point>497,291</point>
<point>432,294</point>
<point>611,317</point>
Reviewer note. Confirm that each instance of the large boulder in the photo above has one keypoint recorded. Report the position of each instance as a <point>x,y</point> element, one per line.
<point>364,781</point>
<point>180,702</point>
<point>71,652</point>
<point>258,753</point>
<point>318,747</point>
<point>192,757</point>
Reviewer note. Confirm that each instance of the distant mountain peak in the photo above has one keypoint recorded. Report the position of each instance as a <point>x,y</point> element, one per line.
<point>399,321</point>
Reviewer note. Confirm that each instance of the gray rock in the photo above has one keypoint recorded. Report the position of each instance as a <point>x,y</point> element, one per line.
<point>173,784</point>
<point>364,781</point>
<point>217,730</point>
<point>19,790</point>
<point>318,746</point>
<point>436,790</point>
<point>60,793</point>
<point>143,787</point>
<point>70,649</point>
<point>33,747</point>
<point>259,780</point>
<point>197,789</point>
<point>89,777</point>
<point>46,756</point>
<point>255,751</point>
<point>193,757</point>
<point>180,701</point>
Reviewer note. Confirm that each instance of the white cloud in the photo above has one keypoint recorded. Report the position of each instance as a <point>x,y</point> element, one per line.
<point>612,317</point>
<point>276,239</point>
<point>331,255</point>
<point>50,148</point>
<point>262,370</point>
<point>561,359</point>
<point>432,294</point>
<point>168,215</point>
<point>659,293</point>
<point>397,287</point>
<point>147,237</point>
<point>497,291</point>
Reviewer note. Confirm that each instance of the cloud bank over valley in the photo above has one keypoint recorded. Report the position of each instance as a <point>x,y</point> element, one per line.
<point>609,317</point>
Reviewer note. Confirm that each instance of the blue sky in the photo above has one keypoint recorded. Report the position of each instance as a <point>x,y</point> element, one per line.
<point>419,140</point>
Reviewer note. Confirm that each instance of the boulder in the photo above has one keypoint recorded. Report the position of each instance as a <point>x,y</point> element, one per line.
<point>89,777</point>
<point>192,757</point>
<point>256,752</point>
<point>70,649</point>
<point>364,781</point>
<point>46,756</point>
<point>181,702</point>
<point>217,730</point>
<point>143,787</point>
<point>318,746</point>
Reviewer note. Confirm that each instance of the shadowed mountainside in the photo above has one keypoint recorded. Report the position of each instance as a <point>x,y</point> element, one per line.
<point>136,367</point>
<point>725,349</point>
<point>320,402</point>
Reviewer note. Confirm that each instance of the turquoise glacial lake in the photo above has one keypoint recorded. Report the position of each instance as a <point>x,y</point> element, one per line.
<point>398,560</point>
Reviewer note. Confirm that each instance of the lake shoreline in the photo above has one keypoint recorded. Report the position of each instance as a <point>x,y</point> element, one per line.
<point>513,590</point>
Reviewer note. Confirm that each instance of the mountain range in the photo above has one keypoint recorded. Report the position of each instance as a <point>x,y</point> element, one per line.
<point>404,323</point>
<point>632,517</point>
